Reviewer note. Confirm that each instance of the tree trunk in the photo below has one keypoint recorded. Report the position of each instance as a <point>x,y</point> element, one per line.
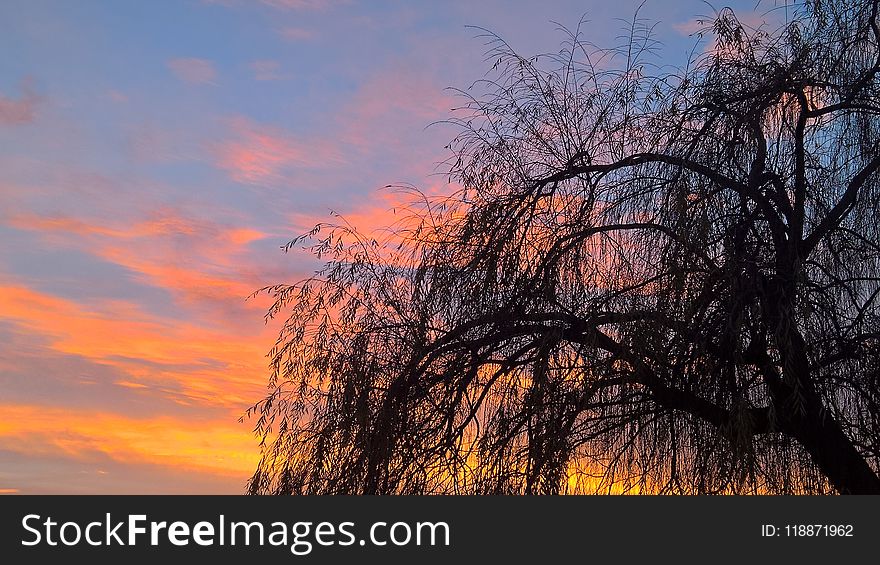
<point>799,404</point>
<point>834,453</point>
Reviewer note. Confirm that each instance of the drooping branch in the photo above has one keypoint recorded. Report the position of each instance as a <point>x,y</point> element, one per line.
<point>634,267</point>
<point>635,160</point>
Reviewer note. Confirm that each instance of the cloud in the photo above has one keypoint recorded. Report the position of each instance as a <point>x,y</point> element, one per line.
<point>95,472</point>
<point>264,155</point>
<point>111,390</point>
<point>102,442</point>
<point>704,26</point>
<point>201,263</point>
<point>33,372</point>
<point>191,365</point>
<point>18,111</point>
<point>266,70</point>
<point>193,70</point>
<point>693,26</point>
<point>389,115</point>
<point>386,116</point>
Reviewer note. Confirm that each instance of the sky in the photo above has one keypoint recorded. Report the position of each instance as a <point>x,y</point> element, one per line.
<point>156,156</point>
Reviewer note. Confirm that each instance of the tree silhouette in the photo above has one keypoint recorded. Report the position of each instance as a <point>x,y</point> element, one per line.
<point>648,281</point>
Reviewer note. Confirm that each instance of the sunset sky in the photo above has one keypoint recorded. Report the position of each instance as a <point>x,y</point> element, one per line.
<point>155,156</point>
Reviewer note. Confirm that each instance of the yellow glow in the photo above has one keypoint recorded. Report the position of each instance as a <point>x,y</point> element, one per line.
<point>219,446</point>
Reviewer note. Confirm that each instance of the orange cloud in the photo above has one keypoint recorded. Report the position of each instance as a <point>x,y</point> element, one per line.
<point>388,212</point>
<point>19,111</point>
<point>213,371</point>
<point>225,370</point>
<point>219,447</point>
<point>205,266</point>
<point>193,70</point>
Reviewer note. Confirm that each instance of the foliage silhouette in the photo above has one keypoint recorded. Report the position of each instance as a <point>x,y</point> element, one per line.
<point>649,281</point>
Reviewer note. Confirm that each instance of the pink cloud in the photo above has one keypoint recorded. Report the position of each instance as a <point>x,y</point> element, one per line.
<point>265,155</point>
<point>693,26</point>
<point>208,267</point>
<point>392,109</point>
<point>705,24</point>
<point>266,70</point>
<point>21,110</point>
<point>193,70</point>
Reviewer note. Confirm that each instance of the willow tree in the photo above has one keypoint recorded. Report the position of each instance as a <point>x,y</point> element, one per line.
<point>648,281</point>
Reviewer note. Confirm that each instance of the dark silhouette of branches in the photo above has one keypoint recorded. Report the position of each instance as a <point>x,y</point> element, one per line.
<point>649,281</point>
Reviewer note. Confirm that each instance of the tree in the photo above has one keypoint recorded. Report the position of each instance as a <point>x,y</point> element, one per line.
<point>649,281</point>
